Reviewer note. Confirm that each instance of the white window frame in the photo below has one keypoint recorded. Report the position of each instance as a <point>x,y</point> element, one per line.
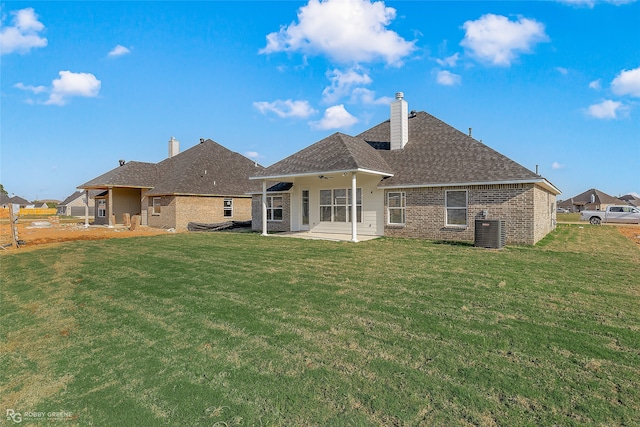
<point>342,201</point>
<point>464,208</point>
<point>156,207</point>
<point>102,208</point>
<point>271,208</point>
<point>227,208</point>
<point>402,208</point>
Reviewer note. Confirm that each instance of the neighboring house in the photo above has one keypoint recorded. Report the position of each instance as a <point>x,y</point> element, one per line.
<point>591,199</point>
<point>631,199</point>
<point>207,183</point>
<point>16,201</point>
<point>413,176</point>
<point>75,204</point>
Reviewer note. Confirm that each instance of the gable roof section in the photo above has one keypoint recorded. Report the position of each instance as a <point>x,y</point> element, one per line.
<point>438,154</point>
<point>336,153</point>
<point>14,200</point>
<point>131,174</point>
<point>77,194</point>
<point>599,198</point>
<point>206,169</point>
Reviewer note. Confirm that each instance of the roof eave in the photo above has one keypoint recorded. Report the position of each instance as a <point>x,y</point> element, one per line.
<point>323,172</point>
<point>541,182</point>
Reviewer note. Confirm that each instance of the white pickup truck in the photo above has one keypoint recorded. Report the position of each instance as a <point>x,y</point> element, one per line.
<point>619,214</point>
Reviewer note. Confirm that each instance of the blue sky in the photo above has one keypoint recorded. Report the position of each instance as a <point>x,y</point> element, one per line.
<point>84,84</point>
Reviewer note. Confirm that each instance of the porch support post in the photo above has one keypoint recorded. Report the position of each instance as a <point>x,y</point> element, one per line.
<point>110,206</point>
<point>86,208</point>
<point>264,207</point>
<point>354,209</point>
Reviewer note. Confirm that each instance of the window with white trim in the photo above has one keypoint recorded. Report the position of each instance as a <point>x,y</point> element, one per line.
<point>228,208</point>
<point>336,205</point>
<point>155,209</point>
<point>274,208</point>
<point>102,208</point>
<point>396,207</point>
<point>456,208</point>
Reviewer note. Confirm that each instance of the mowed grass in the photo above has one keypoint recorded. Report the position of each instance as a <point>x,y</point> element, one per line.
<point>237,329</point>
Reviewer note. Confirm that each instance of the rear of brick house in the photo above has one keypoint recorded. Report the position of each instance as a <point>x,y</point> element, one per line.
<point>207,183</point>
<point>414,176</point>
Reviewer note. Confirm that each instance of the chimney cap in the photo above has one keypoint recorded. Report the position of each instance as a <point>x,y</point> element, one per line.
<point>399,95</point>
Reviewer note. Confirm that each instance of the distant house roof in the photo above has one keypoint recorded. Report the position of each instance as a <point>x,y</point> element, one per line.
<point>14,200</point>
<point>75,195</point>
<point>631,199</point>
<point>205,169</point>
<point>336,153</point>
<point>599,198</point>
<point>130,174</point>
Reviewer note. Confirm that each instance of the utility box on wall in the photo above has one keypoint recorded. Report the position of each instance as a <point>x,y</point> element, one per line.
<point>490,233</point>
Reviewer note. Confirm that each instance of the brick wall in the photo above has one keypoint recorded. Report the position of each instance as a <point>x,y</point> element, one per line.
<point>177,211</point>
<point>272,226</point>
<point>523,207</point>
<point>167,217</point>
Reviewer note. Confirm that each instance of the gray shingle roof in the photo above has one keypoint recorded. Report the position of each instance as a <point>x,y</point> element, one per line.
<point>131,174</point>
<point>599,198</point>
<point>206,169</point>
<point>75,195</point>
<point>438,154</point>
<point>338,152</point>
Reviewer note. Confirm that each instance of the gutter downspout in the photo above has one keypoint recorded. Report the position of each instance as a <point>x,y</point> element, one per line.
<point>354,209</point>
<point>264,207</point>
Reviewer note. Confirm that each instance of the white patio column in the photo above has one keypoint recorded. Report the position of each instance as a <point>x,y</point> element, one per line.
<point>354,209</point>
<point>264,207</point>
<point>86,208</point>
<point>110,207</point>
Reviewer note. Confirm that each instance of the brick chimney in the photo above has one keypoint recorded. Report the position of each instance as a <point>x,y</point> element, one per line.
<point>399,122</point>
<point>174,147</point>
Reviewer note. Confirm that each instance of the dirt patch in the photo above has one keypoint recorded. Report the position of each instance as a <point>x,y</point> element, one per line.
<point>631,232</point>
<point>38,236</point>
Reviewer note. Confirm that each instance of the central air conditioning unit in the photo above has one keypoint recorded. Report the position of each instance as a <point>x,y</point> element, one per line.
<point>490,234</point>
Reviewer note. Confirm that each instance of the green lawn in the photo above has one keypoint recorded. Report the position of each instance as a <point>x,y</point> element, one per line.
<point>237,329</point>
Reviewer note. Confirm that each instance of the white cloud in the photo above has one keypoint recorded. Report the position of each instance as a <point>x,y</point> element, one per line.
<point>449,61</point>
<point>591,3</point>
<point>119,50</point>
<point>497,40</point>
<point>286,108</point>
<point>346,31</point>
<point>252,154</point>
<point>34,89</point>
<point>607,109</point>
<point>366,96</point>
<point>73,84</point>
<point>342,82</point>
<point>447,78</point>
<point>627,82</point>
<point>562,70</point>
<point>23,35</point>
<point>335,117</point>
<point>596,84</point>
<point>556,166</point>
